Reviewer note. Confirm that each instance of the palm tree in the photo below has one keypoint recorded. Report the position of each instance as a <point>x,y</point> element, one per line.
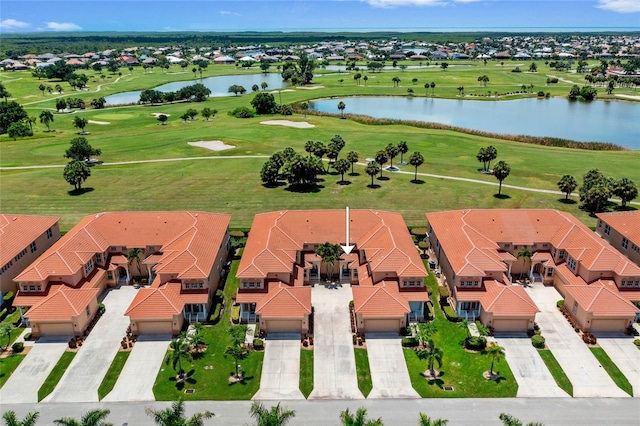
<point>416,159</point>
<point>396,81</point>
<point>501,172</point>
<point>426,89</point>
<point>134,255</point>
<point>403,148</point>
<point>341,107</point>
<point>491,154</point>
<point>509,420</point>
<point>341,166</point>
<point>525,254</point>
<point>80,123</point>
<point>264,85</point>
<point>433,355</point>
<point>372,169</point>
<point>46,118</point>
<point>426,421</point>
<point>180,350</point>
<point>352,157</point>
<point>196,340</point>
<point>496,353</point>
<point>481,156</point>
<point>276,416</point>
<point>464,324</point>
<point>365,78</point>
<point>433,86</point>
<point>381,158</point>
<point>392,152</point>
<point>359,418</point>
<point>175,416</point>
<point>10,419</point>
<point>5,331</point>
<point>238,353</point>
<point>329,254</point>
<point>90,418</point>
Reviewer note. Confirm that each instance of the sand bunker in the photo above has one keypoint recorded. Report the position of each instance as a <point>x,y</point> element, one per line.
<point>104,123</point>
<point>212,145</point>
<point>281,91</point>
<point>310,87</point>
<point>158,114</point>
<point>296,124</point>
<point>634,97</point>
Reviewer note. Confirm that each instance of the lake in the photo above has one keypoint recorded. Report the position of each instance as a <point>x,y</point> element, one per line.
<point>218,86</point>
<point>597,121</point>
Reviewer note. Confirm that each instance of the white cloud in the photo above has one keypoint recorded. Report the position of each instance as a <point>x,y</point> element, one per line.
<point>393,3</point>
<point>229,13</point>
<point>620,6</point>
<point>10,24</point>
<point>466,1</point>
<point>63,26</point>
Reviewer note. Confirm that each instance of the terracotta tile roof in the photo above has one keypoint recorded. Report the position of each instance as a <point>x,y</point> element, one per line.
<point>17,232</point>
<point>626,223</point>
<point>31,298</point>
<point>499,299</point>
<point>385,299</point>
<point>63,304</point>
<point>284,301</point>
<point>164,302</point>
<point>602,300</point>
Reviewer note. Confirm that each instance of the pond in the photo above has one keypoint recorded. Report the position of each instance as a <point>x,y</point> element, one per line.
<point>218,86</point>
<point>598,121</point>
<point>363,68</point>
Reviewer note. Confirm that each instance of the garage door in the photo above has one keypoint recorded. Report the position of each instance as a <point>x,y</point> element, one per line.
<point>604,325</point>
<point>382,325</point>
<point>510,324</point>
<point>155,327</point>
<point>284,326</point>
<point>56,329</point>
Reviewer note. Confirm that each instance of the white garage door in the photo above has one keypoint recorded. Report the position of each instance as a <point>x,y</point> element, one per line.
<point>155,327</point>
<point>605,325</point>
<point>382,325</point>
<point>510,324</point>
<point>284,326</point>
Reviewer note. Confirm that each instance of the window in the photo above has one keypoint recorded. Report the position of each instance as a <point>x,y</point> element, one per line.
<point>599,224</point>
<point>607,229</point>
<point>476,283</point>
<point>623,283</point>
<point>109,275</point>
<point>575,307</point>
<point>200,285</point>
<point>625,243</point>
<point>99,258</point>
<point>535,245</point>
<point>549,272</point>
<point>637,284</point>
<point>49,233</point>
<point>561,256</point>
<point>635,248</point>
<point>553,253</point>
<point>572,264</point>
<point>507,245</point>
<point>88,310</point>
<point>33,247</point>
<point>515,247</point>
<point>39,288</point>
<point>32,288</point>
<point>545,245</point>
<point>88,267</point>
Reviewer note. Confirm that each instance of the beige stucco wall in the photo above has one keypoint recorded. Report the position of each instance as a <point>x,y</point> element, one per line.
<point>158,326</point>
<point>615,239</point>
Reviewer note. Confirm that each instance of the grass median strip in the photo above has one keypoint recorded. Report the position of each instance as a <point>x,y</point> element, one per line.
<point>8,366</point>
<point>364,372</point>
<point>306,372</point>
<point>612,370</point>
<point>113,373</point>
<point>56,374</point>
<point>556,371</point>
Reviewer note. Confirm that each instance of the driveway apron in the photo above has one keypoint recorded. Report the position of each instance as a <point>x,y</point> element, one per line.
<point>389,373</point>
<point>529,370</point>
<point>625,355</point>
<point>334,370</point>
<point>23,385</point>
<point>281,368</point>
<point>85,373</point>
<point>139,373</point>
<point>588,378</point>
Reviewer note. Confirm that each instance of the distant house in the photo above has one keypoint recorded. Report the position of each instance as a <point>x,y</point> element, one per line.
<point>398,56</point>
<point>181,261</point>
<point>502,55</point>
<point>436,54</point>
<point>418,58</point>
<point>335,58</point>
<point>622,231</point>
<point>458,55</point>
<point>222,60</point>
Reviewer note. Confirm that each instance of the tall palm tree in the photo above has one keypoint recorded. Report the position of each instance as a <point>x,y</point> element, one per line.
<point>10,419</point>
<point>276,416</point>
<point>381,158</point>
<point>416,159</point>
<point>496,353</point>
<point>433,86</point>
<point>491,154</point>
<point>359,418</point>
<point>329,254</point>
<point>501,172</point>
<point>180,349</point>
<point>372,169</point>
<point>392,152</point>
<point>46,118</point>
<point>481,156</point>
<point>433,356</point>
<point>525,254</point>
<point>403,148</point>
<point>427,421</point>
<point>341,107</point>
<point>90,418</point>
<point>134,255</point>
<point>352,156</point>
<point>238,353</point>
<point>175,416</point>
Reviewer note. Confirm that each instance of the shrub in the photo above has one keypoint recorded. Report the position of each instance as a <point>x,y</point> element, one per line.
<point>8,296</point>
<point>101,308</point>
<point>637,342</point>
<point>450,313</point>
<point>421,233</point>
<point>430,313</point>
<point>236,234</point>
<point>444,291</point>
<point>17,347</point>
<point>560,303</point>
<point>285,110</point>
<point>27,336</point>
<point>242,112</point>
<point>484,331</point>
<point>537,341</point>
<point>258,344</point>
<point>219,293</point>
<point>215,316</point>
<point>541,94</point>
<point>404,331</point>
<point>235,314</point>
<point>475,343</point>
<point>552,80</point>
<point>351,303</point>
<point>409,342</point>
<point>3,313</point>
<point>516,69</point>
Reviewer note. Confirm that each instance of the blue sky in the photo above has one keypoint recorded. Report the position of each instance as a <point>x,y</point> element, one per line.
<point>332,15</point>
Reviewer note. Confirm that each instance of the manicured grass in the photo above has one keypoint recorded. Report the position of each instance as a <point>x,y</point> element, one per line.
<point>556,371</point>
<point>113,373</point>
<point>364,372</point>
<point>306,372</point>
<point>612,370</point>
<point>212,383</point>
<point>8,366</point>
<point>460,369</point>
<point>56,374</point>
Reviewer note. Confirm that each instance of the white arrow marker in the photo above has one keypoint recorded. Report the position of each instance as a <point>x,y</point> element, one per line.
<point>347,248</point>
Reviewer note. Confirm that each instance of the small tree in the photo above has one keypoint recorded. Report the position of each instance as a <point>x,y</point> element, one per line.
<point>95,417</point>
<point>416,160</point>
<point>359,418</point>
<point>352,157</point>
<point>567,184</point>
<point>525,254</point>
<point>180,350</point>
<point>341,166</point>
<point>81,150</point>
<point>206,113</point>
<point>238,353</point>
<point>626,189</point>
<point>80,123</point>
<point>381,158</point>
<point>433,355</point>
<point>175,416</point>
<point>501,172</point>
<point>372,169</point>
<point>496,353</point>
<point>162,118</point>
<point>427,421</point>
<point>76,172</point>
<point>329,254</point>
<point>403,148</point>
<point>18,130</point>
<point>6,328</point>
<point>276,416</point>
<point>46,118</point>
<point>392,152</point>
<point>341,107</point>
<point>264,103</point>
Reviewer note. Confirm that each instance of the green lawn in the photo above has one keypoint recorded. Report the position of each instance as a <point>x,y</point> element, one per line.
<point>56,374</point>
<point>212,383</point>
<point>460,369</point>
<point>8,366</point>
<point>556,371</point>
<point>364,373</point>
<point>613,370</point>
<point>306,372</point>
<point>110,379</point>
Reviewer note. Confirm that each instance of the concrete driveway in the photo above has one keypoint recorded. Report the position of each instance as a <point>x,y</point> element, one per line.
<point>529,370</point>
<point>23,385</point>
<point>588,378</point>
<point>389,373</point>
<point>334,369</point>
<point>138,375</point>
<point>281,368</point>
<point>85,373</point>
<point>625,355</point>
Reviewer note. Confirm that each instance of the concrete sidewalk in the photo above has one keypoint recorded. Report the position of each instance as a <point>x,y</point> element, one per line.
<point>588,378</point>
<point>334,370</point>
<point>389,373</point>
<point>26,380</point>
<point>139,373</point>
<point>625,355</point>
<point>281,368</point>
<point>85,373</point>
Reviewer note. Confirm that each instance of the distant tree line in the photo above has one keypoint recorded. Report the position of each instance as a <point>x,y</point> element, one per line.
<point>196,92</point>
